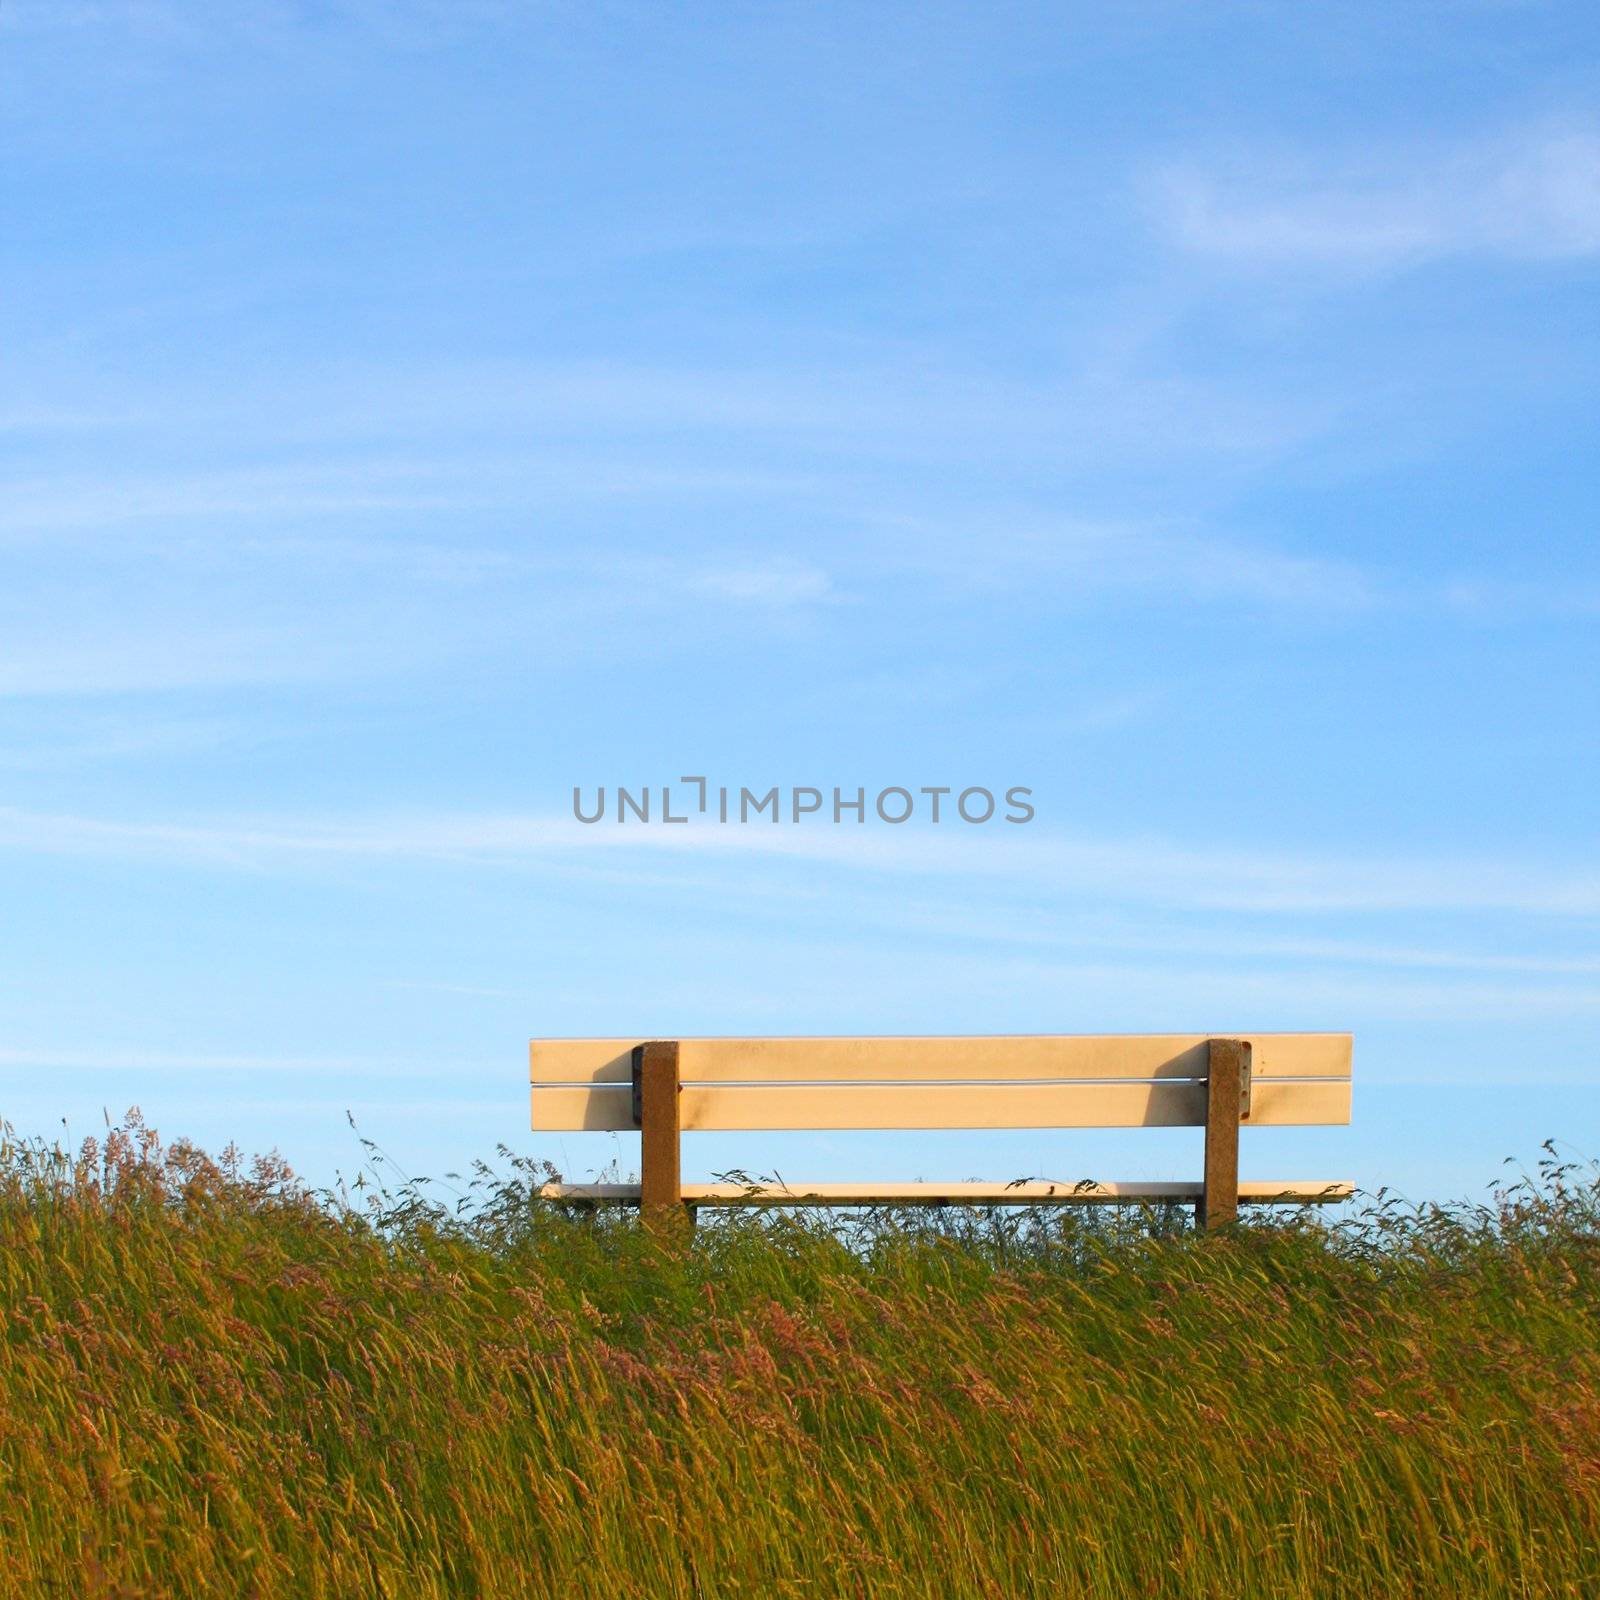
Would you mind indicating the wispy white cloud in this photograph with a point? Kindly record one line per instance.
(1499, 599)
(1199, 990)
(1529, 194)
(1011, 548)
(309, 485)
(177, 652)
(772, 583)
(256, 845)
(216, 608)
(1112, 711)
(1150, 870)
(260, 514)
(1042, 928)
(46, 508)
(219, 1064)
(411, 21)
(481, 430)
(102, 739)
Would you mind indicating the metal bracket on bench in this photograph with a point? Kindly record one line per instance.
(636, 1056)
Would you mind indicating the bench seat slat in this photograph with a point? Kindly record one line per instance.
(991, 1059)
(1037, 1192)
(942, 1105)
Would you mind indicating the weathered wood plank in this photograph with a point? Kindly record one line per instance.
(988, 1059)
(1036, 1192)
(704, 1107)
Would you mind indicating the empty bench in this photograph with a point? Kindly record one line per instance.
(667, 1087)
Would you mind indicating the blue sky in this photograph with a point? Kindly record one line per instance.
(410, 411)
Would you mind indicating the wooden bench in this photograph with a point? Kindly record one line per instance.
(665, 1088)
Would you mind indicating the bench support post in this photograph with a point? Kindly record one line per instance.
(655, 1098)
(1227, 1104)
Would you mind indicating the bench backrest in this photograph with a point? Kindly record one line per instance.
(1020, 1081)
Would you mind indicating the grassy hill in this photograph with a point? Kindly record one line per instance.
(213, 1382)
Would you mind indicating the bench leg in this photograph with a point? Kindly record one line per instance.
(1227, 1099)
(660, 1179)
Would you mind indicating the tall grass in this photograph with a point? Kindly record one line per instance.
(213, 1382)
